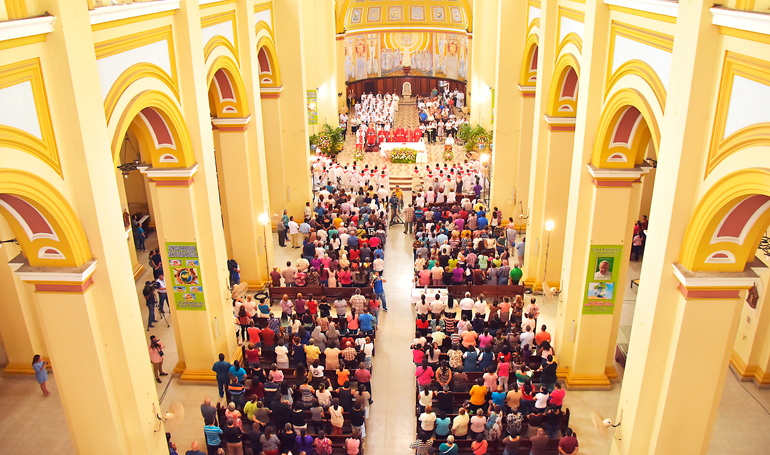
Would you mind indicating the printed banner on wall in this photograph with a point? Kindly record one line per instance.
(602, 279)
(183, 261)
(312, 107)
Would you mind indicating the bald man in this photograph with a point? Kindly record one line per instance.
(208, 411)
(194, 449)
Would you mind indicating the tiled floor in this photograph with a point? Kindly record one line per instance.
(31, 424)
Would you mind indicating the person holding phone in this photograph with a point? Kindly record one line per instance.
(41, 374)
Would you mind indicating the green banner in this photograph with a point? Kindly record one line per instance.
(312, 107)
(602, 279)
(186, 282)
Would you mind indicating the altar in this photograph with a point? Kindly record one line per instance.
(422, 155)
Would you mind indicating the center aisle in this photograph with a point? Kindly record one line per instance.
(390, 428)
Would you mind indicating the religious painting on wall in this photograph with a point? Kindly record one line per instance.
(417, 13)
(451, 56)
(355, 15)
(362, 56)
(373, 14)
(395, 13)
(386, 54)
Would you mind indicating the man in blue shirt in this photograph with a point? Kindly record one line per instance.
(379, 252)
(222, 369)
(482, 222)
(378, 290)
(520, 250)
(365, 322)
(352, 241)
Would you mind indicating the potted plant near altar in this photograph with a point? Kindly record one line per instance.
(329, 140)
(475, 138)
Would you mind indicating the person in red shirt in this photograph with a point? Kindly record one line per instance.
(409, 136)
(542, 335)
(254, 334)
(252, 354)
(364, 376)
(568, 444)
(557, 396)
(268, 339)
(312, 305)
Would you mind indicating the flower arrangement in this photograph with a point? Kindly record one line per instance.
(328, 140)
(448, 153)
(403, 155)
(358, 153)
(474, 137)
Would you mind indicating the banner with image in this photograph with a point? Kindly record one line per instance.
(602, 279)
(186, 283)
(312, 107)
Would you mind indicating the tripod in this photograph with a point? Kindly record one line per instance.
(395, 219)
(163, 314)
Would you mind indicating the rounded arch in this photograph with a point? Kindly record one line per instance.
(262, 25)
(529, 62)
(46, 227)
(226, 91)
(133, 74)
(626, 126)
(160, 128)
(642, 70)
(571, 38)
(269, 72)
(563, 97)
(728, 223)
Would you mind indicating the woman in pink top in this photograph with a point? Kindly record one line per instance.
(503, 373)
(425, 276)
(485, 339)
(505, 310)
(424, 375)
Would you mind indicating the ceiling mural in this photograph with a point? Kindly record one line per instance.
(361, 15)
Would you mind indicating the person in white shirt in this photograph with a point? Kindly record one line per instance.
(294, 233)
(466, 305)
(437, 308)
(480, 307)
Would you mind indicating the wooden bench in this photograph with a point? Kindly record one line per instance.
(276, 293)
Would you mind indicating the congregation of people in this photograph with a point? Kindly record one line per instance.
(485, 371)
(437, 116)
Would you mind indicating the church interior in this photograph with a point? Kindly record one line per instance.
(615, 150)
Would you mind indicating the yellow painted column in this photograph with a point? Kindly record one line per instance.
(202, 333)
(581, 190)
(320, 53)
(69, 304)
(274, 157)
(522, 212)
(681, 160)
(690, 386)
(19, 322)
(289, 32)
(584, 364)
(483, 74)
(534, 255)
(554, 185)
(750, 340)
(762, 372)
(130, 244)
(243, 208)
(507, 152)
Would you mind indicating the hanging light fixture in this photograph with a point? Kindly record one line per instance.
(764, 245)
(127, 167)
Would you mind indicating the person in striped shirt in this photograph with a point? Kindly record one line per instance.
(422, 444)
(213, 440)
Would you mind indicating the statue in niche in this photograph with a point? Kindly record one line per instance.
(406, 90)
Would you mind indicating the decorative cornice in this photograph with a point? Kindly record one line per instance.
(231, 124)
(131, 10)
(610, 177)
(741, 20)
(527, 91)
(170, 176)
(23, 28)
(713, 285)
(55, 279)
(663, 8)
(560, 123)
